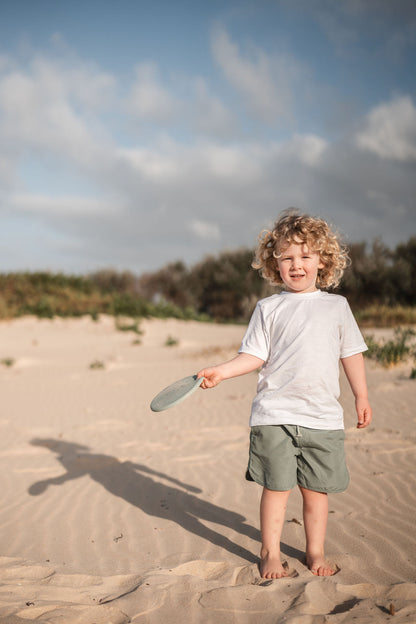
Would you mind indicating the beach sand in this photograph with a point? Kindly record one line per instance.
(111, 513)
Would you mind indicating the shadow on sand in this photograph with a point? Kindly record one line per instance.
(133, 483)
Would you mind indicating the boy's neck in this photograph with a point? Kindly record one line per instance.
(301, 292)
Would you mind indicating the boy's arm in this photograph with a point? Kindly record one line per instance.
(355, 372)
(240, 365)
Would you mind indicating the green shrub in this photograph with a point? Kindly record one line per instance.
(97, 365)
(133, 306)
(171, 342)
(7, 362)
(386, 316)
(390, 352)
(380, 285)
(125, 326)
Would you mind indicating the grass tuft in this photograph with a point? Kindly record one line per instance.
(7, 362)
(390, 352)
(97, 365)
(129, 326)
(171, 342)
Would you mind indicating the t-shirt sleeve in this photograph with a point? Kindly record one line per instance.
(256, 340)
(352, 341)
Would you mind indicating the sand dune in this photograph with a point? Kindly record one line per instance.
(111, 513)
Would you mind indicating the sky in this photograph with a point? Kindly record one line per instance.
(141, 132)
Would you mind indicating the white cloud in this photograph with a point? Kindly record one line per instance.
(264, 82)
(149, 99)
(81, 82)
(197, 185)
(151, 164)
(208, 162)
(182, 202)
(211, 116)
(205, 230)
(390, 131)
(48, 107)
(307, 149)
(79, 207)
(188, 104)
(233, 163)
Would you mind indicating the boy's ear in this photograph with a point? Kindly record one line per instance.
(321, 265)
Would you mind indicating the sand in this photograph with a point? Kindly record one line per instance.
(111, 513)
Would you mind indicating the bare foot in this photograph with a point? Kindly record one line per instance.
(272, 568)
(319, 566)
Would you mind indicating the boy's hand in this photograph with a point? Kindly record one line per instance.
(242, 364)
(211, 376)
(364, 412)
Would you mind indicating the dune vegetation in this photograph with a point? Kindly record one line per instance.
(380, 285)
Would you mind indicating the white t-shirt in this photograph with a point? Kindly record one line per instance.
(301, 338)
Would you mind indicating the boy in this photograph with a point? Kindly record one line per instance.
(297, 338)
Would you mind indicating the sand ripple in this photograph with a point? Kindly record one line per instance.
(111, 514)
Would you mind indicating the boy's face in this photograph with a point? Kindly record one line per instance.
(298, 267)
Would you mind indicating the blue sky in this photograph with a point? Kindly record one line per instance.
(133, 134)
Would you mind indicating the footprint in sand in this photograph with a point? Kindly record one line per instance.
(50, 597)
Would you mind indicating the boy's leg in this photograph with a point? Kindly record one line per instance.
(315, 516)
(272, 515)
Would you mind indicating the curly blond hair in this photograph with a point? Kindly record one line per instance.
(293, 227)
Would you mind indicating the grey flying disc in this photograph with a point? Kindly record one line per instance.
(175, 393)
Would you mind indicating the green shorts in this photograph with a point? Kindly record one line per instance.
(282, 456)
